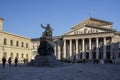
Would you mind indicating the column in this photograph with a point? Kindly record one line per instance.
(77, 48)
(90, 52)
(97, 48)
(55, 49)
(70, 48)
(111, 48)
(104, 50)
(59, 52)
(64, 55)
(83, 49)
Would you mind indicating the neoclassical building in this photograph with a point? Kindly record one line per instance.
(12, 45)
(89, 40)
(92, 39)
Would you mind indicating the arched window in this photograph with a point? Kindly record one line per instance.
(11, 42)
(5, 41)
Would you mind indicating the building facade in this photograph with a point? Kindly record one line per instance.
(92, 39)
(12, 45)
(89, 40)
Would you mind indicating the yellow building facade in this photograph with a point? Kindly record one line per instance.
(12, 45)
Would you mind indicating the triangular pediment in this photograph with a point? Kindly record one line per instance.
(88, 30)
(94, 22)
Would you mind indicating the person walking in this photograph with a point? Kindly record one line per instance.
(3, 61)
(16, 61)
(9, 61)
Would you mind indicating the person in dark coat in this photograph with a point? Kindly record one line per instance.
(9, 61)
(16, 61)
(3, 61)
(24, 60)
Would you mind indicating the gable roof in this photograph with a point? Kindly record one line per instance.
(93, 22)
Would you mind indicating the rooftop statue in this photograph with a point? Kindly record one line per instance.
(48, 32)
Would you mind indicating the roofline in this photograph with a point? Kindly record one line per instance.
(14, 35)
(108, 22)
(101, 20)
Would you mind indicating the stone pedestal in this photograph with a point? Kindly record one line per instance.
(45, 55)
(49, 60)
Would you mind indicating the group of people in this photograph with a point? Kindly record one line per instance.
(9, 61)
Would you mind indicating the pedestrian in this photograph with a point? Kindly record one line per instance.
(24, 60)
(9, 61)
(3, 61)
(16, 61)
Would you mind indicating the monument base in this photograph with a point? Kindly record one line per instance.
(49, 60)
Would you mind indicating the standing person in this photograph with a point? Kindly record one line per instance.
(3, 61)
(9, 61)
(16, 61)
(24, 61)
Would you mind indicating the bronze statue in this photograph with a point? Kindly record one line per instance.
(48, 32)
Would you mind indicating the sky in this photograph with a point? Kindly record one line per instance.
(24, 17)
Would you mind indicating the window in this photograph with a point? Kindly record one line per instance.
(5, 41)
(26, 56)
(26, 45)
(17, 55)
(11, 55)
(17, 43)
(11, 42)
(22, 44)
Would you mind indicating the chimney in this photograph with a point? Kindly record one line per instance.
(1, 21)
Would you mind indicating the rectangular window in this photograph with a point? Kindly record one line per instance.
(17, 43)
(5, 41)
(26, 45)
(17, 55)
(22, 44)
(11, 42)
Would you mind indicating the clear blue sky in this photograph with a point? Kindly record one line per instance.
(23, 17)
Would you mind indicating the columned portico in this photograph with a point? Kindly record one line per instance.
(90, 40)
(78, 46)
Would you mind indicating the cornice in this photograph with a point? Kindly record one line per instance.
(14, 35)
